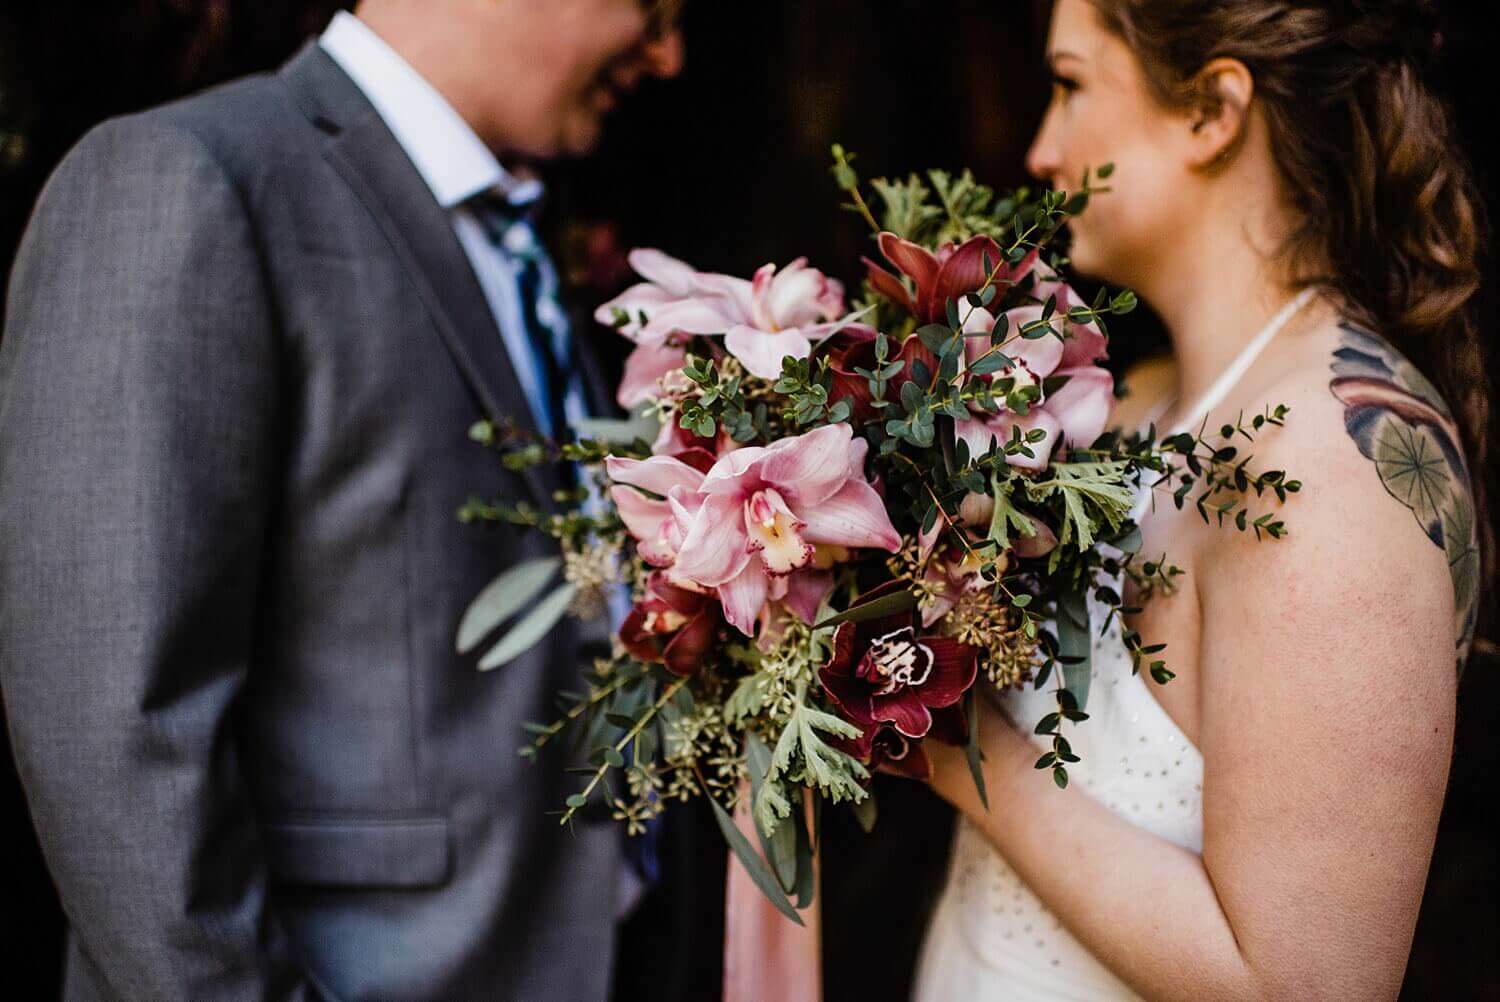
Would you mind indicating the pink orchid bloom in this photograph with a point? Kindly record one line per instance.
(790, 311)
(759, 514)
(674, 300)
(954, 270)
(1077, 412)
(780, 313)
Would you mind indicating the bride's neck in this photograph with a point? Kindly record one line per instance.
(1221, 287)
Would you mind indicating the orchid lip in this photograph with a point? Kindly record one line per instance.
(898, 660)
(773, 532)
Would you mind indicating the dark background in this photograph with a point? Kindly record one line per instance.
(726, 167)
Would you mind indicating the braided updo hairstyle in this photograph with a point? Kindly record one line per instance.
(1389, 219)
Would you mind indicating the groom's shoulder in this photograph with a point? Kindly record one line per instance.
(246, 128)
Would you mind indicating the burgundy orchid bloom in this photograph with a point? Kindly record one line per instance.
(885, 749)
(852, 348)
(882, 672)
(954, 270)
(672, 625)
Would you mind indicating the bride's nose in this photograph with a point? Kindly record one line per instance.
(1044, 159)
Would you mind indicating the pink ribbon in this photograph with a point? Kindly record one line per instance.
(766, 955)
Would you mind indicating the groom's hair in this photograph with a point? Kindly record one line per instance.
(1390, 218)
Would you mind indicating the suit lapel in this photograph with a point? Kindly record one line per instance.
(367, 156)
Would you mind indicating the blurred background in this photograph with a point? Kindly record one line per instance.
(726, 167)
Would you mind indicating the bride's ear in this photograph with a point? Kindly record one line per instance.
(1220, 111)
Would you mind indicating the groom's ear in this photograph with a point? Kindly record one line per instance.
(1219, 111)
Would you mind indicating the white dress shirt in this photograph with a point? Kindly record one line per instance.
(457, 165)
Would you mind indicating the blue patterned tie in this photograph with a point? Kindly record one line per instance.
(510, 228)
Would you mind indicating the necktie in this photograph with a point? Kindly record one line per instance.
(510, 228)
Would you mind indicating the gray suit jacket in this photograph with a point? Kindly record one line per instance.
(241, 356)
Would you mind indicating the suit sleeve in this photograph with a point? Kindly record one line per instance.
(138, 421)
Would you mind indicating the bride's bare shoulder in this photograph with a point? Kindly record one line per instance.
(1381, 463)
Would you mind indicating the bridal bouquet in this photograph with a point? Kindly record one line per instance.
(840, 523)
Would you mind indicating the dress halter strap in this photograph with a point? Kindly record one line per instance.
(1236, 370)
(1229, 378)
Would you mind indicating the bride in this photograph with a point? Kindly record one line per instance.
(1285, 195)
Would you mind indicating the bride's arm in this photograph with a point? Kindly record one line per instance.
(1327, 719)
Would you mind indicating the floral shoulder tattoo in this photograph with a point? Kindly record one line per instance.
(1399, 422)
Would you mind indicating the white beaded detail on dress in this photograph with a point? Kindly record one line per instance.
(991, 938)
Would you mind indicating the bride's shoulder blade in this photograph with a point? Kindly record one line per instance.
(1382, 466)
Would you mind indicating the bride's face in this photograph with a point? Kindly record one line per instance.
(1102, 111)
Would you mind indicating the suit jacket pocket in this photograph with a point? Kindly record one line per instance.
(366, 852)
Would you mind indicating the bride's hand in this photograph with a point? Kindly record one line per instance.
(1008, 759)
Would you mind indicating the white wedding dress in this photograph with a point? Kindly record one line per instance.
(991, 938)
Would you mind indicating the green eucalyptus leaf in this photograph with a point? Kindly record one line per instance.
(610, 430)
(502, 598)
(1074, 645)
(804, 884)
(991, 362)
(759, 872)
(531, 628)
(972, 752)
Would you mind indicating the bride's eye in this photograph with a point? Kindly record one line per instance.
(1063, 86)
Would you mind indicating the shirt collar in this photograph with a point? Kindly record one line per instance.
(452, 159)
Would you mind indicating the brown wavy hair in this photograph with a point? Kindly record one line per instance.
(1390, 220)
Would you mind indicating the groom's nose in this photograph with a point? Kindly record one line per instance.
(665, 54)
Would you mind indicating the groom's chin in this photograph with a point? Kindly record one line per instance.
(579, 134)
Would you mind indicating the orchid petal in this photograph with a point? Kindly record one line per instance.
(659, 474)
(810, 468)
(676, 277)
(1085, 345)
(961, 273)
(642, 516)
(716, 548)
(915, 262)
(905, 711)
(641, 298)
(954, 668)
(743, 597)
(1040, 355)
(800, 296)
(1083, 405)
(761, 351)
(978, 435)
(888, 285)
(642, 643)
(1037, 419)
(644, 368)
(761, 316)
(1041, 542)
(976, 510)
(736, 472)
(687, 316)
(684, 653)
(805, 592)
(855, 516)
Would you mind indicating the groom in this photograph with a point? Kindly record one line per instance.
(247, 334)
